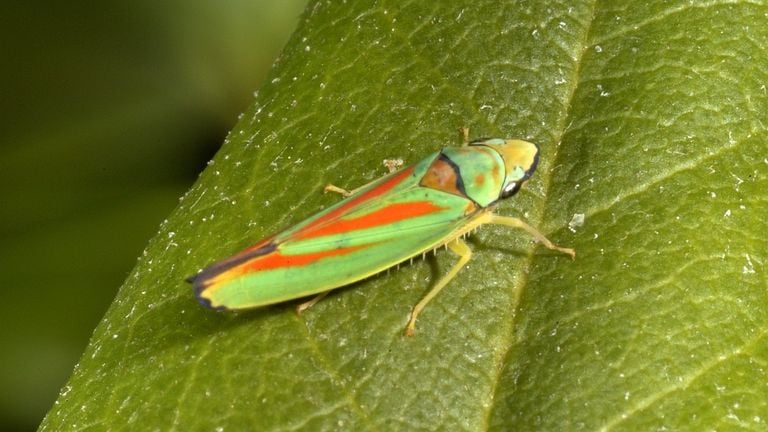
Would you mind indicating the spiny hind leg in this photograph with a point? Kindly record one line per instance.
(308, 304)
(517, 223)
(460, 248)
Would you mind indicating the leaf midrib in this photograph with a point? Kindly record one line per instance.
(521, 283)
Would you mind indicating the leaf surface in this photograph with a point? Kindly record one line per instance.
(652, 126)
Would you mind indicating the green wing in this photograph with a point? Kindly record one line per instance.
(384, 224)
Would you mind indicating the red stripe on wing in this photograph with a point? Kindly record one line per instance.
(366, 196)
(276, 260)
(389, 214)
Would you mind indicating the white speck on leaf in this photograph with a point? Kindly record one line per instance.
(749, 268)
(576, 221)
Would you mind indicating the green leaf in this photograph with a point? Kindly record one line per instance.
(652, 126)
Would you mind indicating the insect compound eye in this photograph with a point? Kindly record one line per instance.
(510, 189)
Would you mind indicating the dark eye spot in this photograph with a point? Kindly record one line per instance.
(510, 190)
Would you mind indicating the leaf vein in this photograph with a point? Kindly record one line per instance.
(682, 383)
(505, 354)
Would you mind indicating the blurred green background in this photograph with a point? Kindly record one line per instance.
(109, 111)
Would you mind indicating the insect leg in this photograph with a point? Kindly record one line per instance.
(517, 223)
(308, 304)
(332, 188)
(465, 253)
(344, 192)
(391, 164)
(464, 135)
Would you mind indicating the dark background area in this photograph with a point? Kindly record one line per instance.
(109, 112)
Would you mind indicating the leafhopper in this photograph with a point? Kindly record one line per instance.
(410, 212)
